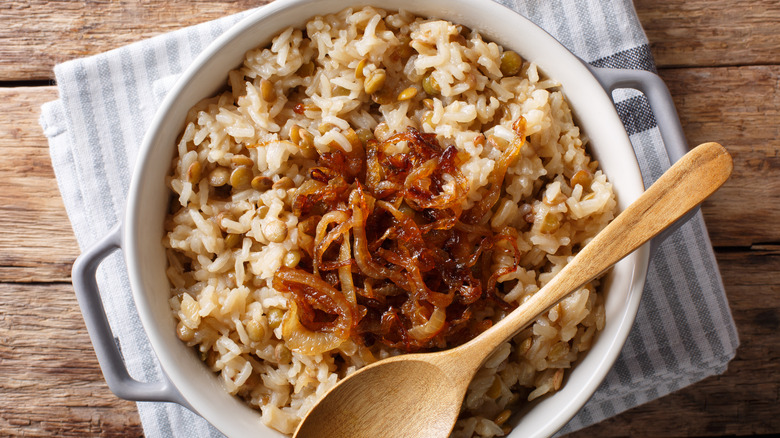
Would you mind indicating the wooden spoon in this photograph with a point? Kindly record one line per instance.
(419, 395)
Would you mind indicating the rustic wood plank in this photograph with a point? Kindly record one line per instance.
(711, 33)
(50, 382)
(38, 34)
(743, 400)
(738, 107)
(40, 245)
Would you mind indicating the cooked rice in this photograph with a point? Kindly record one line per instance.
(226, 239)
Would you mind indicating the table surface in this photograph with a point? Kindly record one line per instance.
(720, 59)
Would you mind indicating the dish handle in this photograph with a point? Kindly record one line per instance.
(109, 356)
(662, 106)
(661, 103)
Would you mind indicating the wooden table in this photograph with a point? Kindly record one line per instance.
(720, 58)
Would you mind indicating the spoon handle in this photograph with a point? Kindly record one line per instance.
(684, 186)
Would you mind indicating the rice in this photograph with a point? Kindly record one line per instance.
(244, 152)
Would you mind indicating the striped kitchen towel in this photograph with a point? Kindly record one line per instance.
(683, 333)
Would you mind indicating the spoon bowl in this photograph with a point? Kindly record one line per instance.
(416, 378)
(419, 395)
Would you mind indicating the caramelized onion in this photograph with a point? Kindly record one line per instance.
(301, 339)
(362, 257)
(394, 258)
(431, 327)
(324, 238)
(310, 291)
(345, 271)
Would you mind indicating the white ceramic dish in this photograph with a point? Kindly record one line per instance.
(190, 382)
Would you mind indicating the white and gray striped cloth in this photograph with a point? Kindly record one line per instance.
(683, 333)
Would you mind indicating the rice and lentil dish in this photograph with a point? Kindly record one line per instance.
(373, 184)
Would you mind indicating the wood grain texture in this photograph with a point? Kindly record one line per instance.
(738, 107)
(40, 245)
(711, 33)
(720, 59)
(50, 382)
(38, 34)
